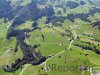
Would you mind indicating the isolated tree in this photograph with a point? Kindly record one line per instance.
(35, 24)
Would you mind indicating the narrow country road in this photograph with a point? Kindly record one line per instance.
(82, 72)
(54, 55)
(24, 69)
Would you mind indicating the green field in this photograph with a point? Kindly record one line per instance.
(60, 43)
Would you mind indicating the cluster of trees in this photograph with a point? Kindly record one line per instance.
(40, 1)
(94, 36)
(20, 62)
(97, 2)
(96, 24)
(72, 4)
(64, 34)
(68, 33)
(24, 13)
(33, 13)
(84, 47)
(35, 24)
(82, 3)
(18, 33)
(71, 17)
(55, 20)
(83, 16)
(6, 10)
(88, 46)
(15, 66)
(94, 10)
(30, 55)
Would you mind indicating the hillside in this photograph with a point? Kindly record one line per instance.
(49, 37)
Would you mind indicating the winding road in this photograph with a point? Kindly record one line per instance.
(54, 55)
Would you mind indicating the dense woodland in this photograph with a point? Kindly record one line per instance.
(6, 11)
(88, 46)
(31, 12)
(30, 55)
